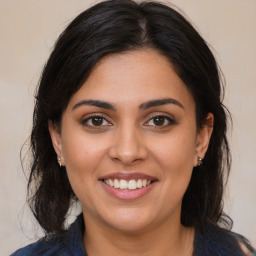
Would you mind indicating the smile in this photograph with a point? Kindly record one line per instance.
(127, 184)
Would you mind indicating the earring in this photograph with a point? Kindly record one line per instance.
(59, 161)
(200, 161)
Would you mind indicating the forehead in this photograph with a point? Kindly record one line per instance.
(133, 77)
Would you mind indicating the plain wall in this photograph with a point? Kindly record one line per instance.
(28, 31)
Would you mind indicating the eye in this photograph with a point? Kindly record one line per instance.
(160, 121)
(95, 121)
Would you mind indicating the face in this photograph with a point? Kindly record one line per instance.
(129, 142)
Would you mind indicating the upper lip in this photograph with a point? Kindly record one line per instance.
(127, 176)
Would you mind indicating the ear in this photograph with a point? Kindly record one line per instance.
(203, 138)
(54, 131)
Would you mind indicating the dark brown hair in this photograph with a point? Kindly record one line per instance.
(114, 27)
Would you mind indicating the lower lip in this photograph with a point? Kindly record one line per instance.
(127, 194)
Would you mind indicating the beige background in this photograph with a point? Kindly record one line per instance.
(28, 29)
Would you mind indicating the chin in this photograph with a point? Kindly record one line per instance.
(130, 222)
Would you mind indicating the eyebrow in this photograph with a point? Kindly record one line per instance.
(96, 103)
(160, 102)
(143, 106)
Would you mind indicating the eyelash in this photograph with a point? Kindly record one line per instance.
(90, 119)
(167, 121)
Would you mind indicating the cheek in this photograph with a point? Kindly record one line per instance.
(83, 155)
(175, 156)
(81, 150)
(83, 158)
(175, 151)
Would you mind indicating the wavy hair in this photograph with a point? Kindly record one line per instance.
(118, 26)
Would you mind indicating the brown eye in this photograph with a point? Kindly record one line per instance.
(95, 121)
(159, 120)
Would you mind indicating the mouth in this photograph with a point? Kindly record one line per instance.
(128, 186)
(131, 184)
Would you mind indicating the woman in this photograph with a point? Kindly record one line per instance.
(130, 105)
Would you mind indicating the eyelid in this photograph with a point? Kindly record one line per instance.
(171, 120)
(91, 115)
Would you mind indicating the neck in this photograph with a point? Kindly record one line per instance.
(162, 240)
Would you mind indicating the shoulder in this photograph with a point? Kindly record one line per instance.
(43, 247)
(215, 241)
(69, 242)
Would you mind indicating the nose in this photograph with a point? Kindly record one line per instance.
(127, 147)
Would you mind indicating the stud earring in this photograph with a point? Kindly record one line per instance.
(200, 161)
(59, 161)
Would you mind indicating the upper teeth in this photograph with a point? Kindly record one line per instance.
(124, 184)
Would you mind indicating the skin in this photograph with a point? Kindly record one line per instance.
(130, 139)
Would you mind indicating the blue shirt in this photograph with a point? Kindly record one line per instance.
(67, 243)
(212, 241)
